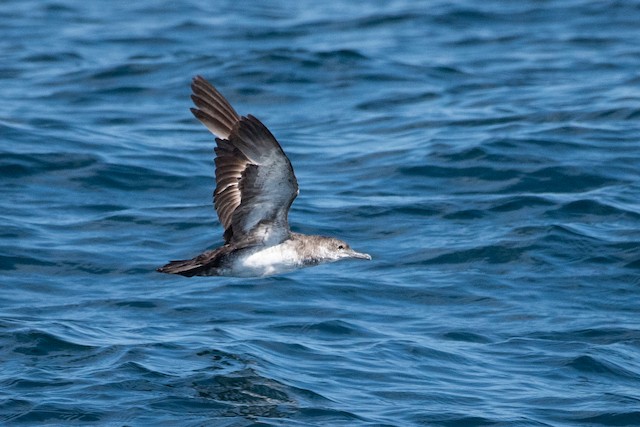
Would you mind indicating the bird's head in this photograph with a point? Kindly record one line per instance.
(330, 249)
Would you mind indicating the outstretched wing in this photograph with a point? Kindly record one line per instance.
(214, 111)
(255, 183)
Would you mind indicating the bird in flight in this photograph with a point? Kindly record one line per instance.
(255, 187)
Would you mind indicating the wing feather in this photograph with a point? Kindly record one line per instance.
(255, 182)
(214, 111)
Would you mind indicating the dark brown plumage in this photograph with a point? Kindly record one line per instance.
(251, 168)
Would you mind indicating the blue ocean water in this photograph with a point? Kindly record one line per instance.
(485, 153)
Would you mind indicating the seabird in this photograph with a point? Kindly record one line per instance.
(255, 187)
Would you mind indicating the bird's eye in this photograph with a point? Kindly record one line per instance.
(340, 246)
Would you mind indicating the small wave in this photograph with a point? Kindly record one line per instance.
(13, 165)
(491, 254)
(592, 208)
(40, 343)
(595, 365)
(556, 179)
(626, 418)
(519, 202)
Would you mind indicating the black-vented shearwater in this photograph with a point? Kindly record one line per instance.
(255, 187)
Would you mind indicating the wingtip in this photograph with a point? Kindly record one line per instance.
(197, 101)
(196, 81)
(196, 113)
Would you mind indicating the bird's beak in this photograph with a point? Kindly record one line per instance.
(354, 254)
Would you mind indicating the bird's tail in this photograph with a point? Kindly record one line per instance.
(187, 267)
(205, 264)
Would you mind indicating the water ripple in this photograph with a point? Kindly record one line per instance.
(484, 153)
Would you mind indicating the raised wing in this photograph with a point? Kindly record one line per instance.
(255, 183)
(214, 111)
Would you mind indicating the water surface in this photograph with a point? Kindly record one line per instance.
(485, 153)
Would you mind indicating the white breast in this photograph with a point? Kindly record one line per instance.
(267, 261)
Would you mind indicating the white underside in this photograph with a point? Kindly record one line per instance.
(266, 261)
